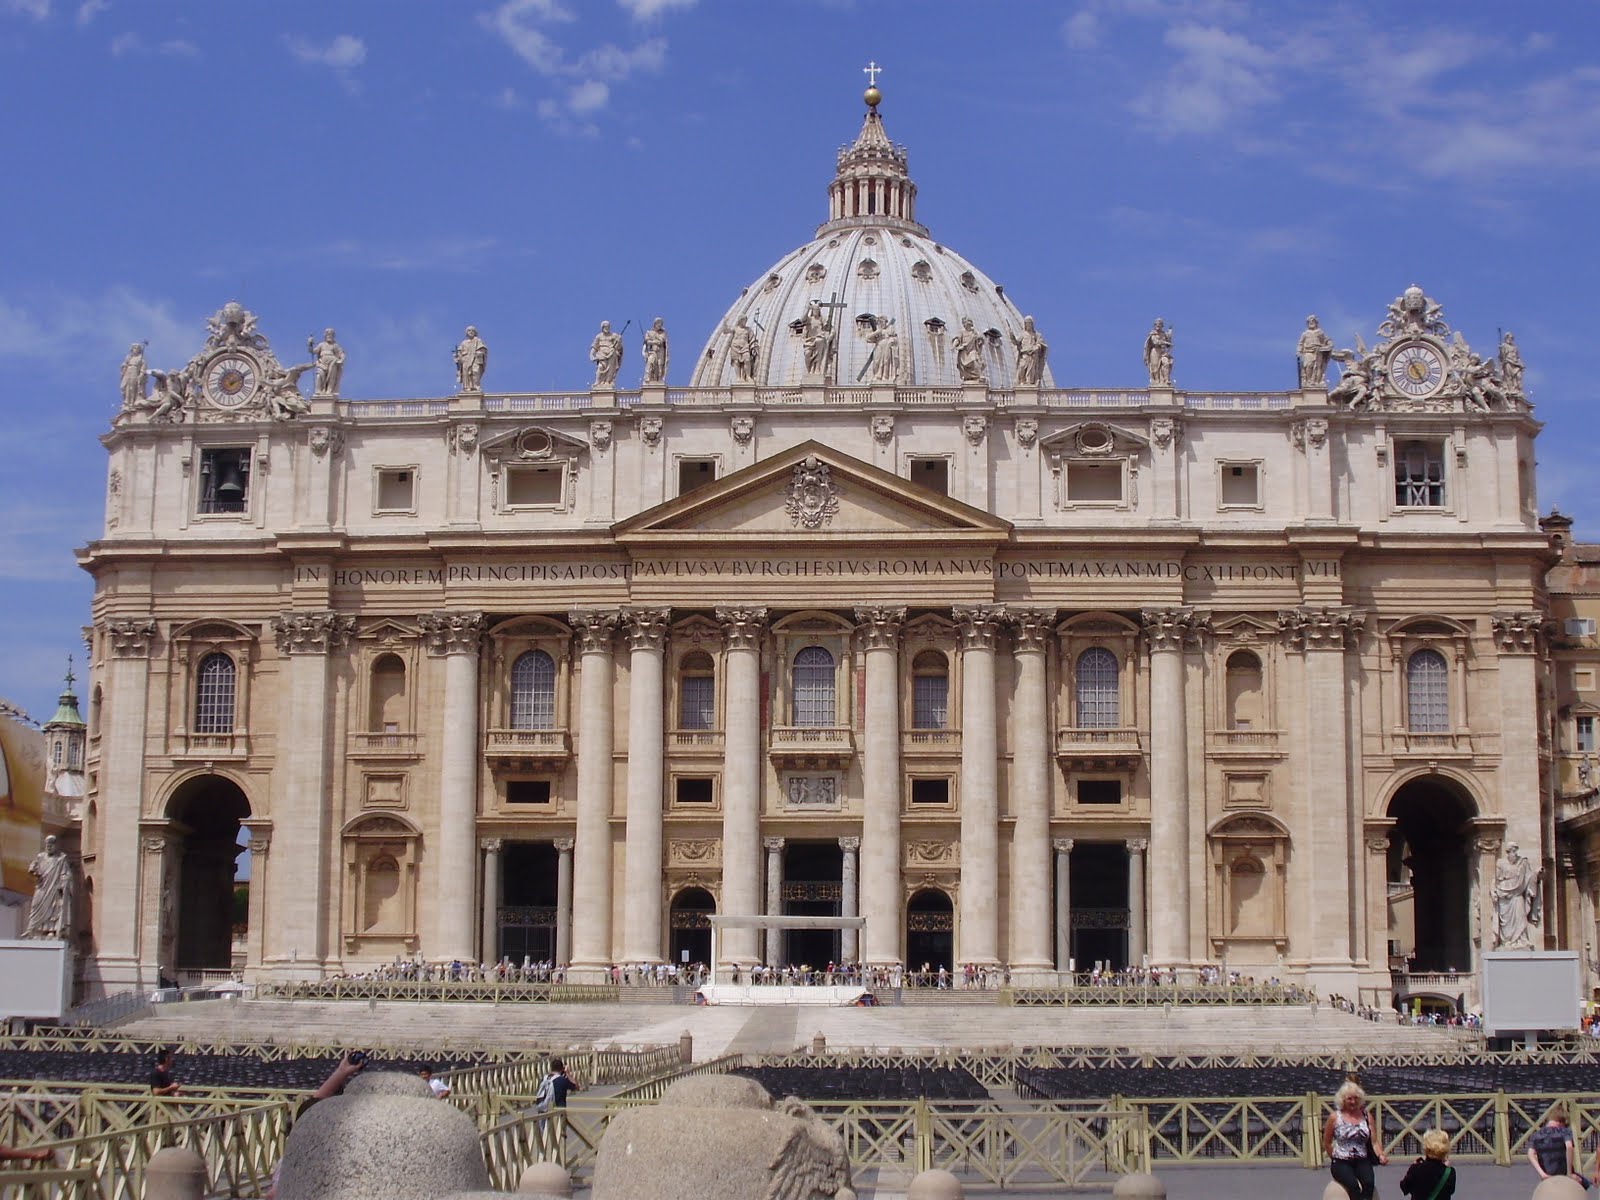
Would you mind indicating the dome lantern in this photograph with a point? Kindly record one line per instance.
(870, 184)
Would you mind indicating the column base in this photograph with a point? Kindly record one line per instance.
(588, 972)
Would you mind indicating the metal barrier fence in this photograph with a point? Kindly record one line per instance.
(426, 1044)
(442, 990)
(123, 1006)
(1145, 994)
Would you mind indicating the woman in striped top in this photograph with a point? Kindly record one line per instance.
(1350, 1140)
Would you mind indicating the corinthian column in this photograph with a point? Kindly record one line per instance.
(1167, 632)
(774, 848)
(741, 780)
(563, 847)
(879, 631)
(1137, 921)
(1063, 849)
(591, 917)
(647, 639)
(457, 637)
(117, 907)
(491, 847)
(1030, 797)
(849, 942)
(978, 937)
(301, 815)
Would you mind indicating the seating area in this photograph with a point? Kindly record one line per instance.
(194, 1070)
(849, 1082)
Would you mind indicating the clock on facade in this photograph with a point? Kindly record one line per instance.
(1416, 368)
(231, 380)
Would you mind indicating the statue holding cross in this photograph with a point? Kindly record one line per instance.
(817, 336)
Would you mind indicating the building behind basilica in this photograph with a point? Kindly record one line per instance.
(875, 617)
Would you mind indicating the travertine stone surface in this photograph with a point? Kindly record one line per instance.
(382, 1147)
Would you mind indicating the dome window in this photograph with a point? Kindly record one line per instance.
(921, 271)
(868, 269)
(934, 326)
(773, 281)
(816, 273)
(969, 281)
(870, 240)
(906, 242)
(992, 334)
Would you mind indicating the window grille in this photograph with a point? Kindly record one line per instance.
(1099, 690)
(813, 687)
(213, 700)
(1427, 693)
(697, 702)
(533, 691)
(930, 701)
(1419, 476)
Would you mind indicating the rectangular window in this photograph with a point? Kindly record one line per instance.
(931, 473)
(1583, 679)
(699, 702)
(1419, 475)
(695, 473)
(930, 701)
(1094, 483)
(224, 480)
(693, 790)
(930, 791)
(396, 490)
(1580, 627)
(527, 791)
(1099, 791)
(1583, 728)
(535, 487)
(1241, 485)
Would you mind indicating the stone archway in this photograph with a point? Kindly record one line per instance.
(1430, 850)
(930, 931)
(206, 882)
(691, 929)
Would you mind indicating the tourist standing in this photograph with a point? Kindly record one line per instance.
(1351, 1142)
(1431, 1177)
(161, 1081)
(1551, 1148)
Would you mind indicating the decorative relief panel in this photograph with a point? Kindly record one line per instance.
(698, 852)
(920, 854)
(810, 793)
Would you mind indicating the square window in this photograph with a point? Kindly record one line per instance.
(695, 473)
(1583, 729)
(930, 791)
(1580, 627)
(1583, 679)
(527, 791)
(1099, 791)
(225, 480)
(1094, 483)
(1419, 475)
(931, 473)
(535, 487)
(396, 490)
(693, 790)
(1241, 485)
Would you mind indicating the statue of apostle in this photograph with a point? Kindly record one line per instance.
(1516, 900)
(606, 354)
(472, 356)
(968, 346)
(328, 356)
(655, 352)
(132, 377)
(50, 914)
(1031, 349)
(1158, 354)
(744, 350)
(1313, 351)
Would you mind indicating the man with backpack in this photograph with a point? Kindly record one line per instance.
(554, 1088)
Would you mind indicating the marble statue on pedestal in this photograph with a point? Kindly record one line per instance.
(883, 362)
(1516, 900)
(50, 914)
(471, 356)
(1031, 349)
(1313, 351)
(606, 354)
(968, 346)
(1510, 365)
(743, 351)
(132, 377)
(171, 394)
(329, 358)
(1158, 354)
(655, 352)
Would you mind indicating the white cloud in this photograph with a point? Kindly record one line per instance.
(1082, 29)
(1218, 76)
(37, 9)
(510, 100)
(131, 43)
(589, 96)
(343, 53)
(614, 63)
(94, 329)
(646, 10)
(89, 10)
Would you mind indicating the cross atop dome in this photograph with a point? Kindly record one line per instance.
(872, 95)
(871, 184)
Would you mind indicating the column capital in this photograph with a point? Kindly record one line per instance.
(879, 627)
(772, 844)
(1062, 845)
(1325, 628)
(1486, 845)
(320, 632)
(1030, 628)
(153, 843)
(1377, 845)
(492, 845)
(1138, 845)
(850, 845)
(741, 627)
(1173, 628)
(563, 845)
(646, 628)
(131, 636)
(594, 628)
(449, 631)
(1520, 632)
(979, 625)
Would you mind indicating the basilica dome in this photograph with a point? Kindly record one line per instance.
(820, 315)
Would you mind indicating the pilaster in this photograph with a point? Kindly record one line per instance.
(849, 939)
(490, 945)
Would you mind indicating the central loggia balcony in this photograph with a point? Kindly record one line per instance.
(386, 744)
(526, 747)
(1099, 748)
(810, 745)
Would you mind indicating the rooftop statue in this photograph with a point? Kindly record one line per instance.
(132, 377)
(1510, 365)
(1158, 354)
(816, 336)
(744, 351)
(606, 354)
(1313, 351)
(883, 360)
(1031, 349)
(471, 356)
(655, 352)
(329, 358)
(171, 395)
(1358, 381)
(968, 346)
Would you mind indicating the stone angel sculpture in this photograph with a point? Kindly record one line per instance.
(171, 395)
(282, 391)
(1358, 380)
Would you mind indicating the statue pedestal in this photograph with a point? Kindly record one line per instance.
(35, 978)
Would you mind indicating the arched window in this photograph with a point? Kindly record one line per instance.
(74, 753)
(56, 752)
(697, 692)
(1427, 693)
(1099, 689)
(388, 699)
(213, 697)
(1244, 690)
(930, 691)
(533, 691)
(813, 687)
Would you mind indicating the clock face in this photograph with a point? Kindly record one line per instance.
(231, 380)
(1417, 369)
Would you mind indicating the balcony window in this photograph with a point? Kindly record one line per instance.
(697, 693)
(213, 698)
(1427, 693)
(1099, 699)
(533, 691)
(813, 688)
(930, 691)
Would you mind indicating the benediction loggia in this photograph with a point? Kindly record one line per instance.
(873, 617)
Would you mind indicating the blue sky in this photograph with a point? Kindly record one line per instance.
(399, 169)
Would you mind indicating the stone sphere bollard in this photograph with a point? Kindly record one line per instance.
(175, 1173)
(819, 1044)
(546, 1179)
(1335, 1191)
(686, 1048)
(935, 1185)
(1559, 1187)
(1148, 1187)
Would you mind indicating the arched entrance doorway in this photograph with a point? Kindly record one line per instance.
(526, 913)
(691, 930)
(1430, 853)
(930, 931)
(812, 887)
(205, 895)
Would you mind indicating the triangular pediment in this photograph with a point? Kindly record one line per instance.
(813, 492)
